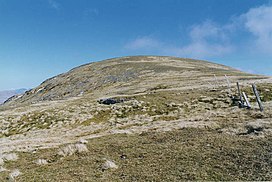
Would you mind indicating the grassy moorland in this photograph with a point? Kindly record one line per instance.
(177, 122)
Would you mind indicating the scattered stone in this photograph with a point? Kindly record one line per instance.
(81, 93)
(136, 104)
(254, 128)
(123, 156)
(41, 162)
(213, 90)
(172, 104)
(110, 101)
(34, 151)
(15, 173)
(9, 157)
(73, 149)
(2, 169)
(109, 165)
(83, 141)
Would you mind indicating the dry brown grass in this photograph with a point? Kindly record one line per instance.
(162, 94)
(188, 154)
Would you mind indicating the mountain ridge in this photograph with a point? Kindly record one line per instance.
(93, 76)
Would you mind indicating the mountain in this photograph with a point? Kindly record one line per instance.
(4, 95)
(126, 75)
(139, 118)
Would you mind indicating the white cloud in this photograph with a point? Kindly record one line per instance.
(206, 40)
(258, 21)
(54, 4)
(249, 33)
(206, 30)
(203, 50)
(144, 42)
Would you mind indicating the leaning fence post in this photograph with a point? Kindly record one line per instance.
(228, 83)
(246, 100)
(210, 84)
(216, 81)
(257, 97)
(239, 92)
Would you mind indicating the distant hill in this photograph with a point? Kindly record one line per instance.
(124, 75)
(4, 95)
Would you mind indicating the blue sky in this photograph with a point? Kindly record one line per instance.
(42, 38)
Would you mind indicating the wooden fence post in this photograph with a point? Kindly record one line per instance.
(228, 83)
(239, 92)
(246, 100)
(257, 97)
(216, 81)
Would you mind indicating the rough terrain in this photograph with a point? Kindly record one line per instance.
(176, 122)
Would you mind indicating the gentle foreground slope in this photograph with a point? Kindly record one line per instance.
(174, 120)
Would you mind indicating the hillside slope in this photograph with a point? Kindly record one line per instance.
(126, 75)
(175, 121)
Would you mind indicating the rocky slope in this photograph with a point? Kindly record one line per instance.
(171, 112)
(126, 75)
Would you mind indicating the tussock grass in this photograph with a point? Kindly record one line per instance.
(41, 162)
(109, 165)
(187, 154)
(72, 149)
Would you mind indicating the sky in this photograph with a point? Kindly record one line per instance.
(42, 38)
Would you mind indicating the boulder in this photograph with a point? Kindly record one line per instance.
(110, 101)
(108, 164)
